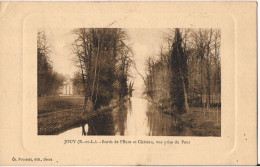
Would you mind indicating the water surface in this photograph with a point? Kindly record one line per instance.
(137, 117)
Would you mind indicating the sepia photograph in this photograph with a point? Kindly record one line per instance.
(129, 82)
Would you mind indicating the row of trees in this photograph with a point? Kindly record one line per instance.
(103, 59)
(187, 70)
(49, 81)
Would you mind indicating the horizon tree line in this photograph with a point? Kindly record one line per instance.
(48, 80)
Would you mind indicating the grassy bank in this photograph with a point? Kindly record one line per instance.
(199, 122)
(58, 118)
(55, 103)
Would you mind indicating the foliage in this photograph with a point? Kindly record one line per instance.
(189, 62)
(48, 80)
(103, 59)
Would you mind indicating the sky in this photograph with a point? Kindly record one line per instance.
(61, 56)
(145, 43)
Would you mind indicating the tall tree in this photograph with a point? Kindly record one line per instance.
(193, 63)
(179, 78)
(103, 59)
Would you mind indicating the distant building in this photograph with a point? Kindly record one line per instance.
(67, 88)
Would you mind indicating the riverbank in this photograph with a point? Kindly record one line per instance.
(57, 121)
(199, 122)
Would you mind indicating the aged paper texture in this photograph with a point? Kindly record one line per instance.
(128, 83)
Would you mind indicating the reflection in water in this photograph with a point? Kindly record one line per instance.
(163, 124)
(136, 122)
(83, 131)
(111, 123)
(137, 117)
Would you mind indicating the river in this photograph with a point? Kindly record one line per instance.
(137, 117)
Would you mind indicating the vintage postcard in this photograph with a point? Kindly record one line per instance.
(128, 83)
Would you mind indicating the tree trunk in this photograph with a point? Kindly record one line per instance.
(84, 86)
(201, 80)
(185, 97)
(97, 85)
(94, 80)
